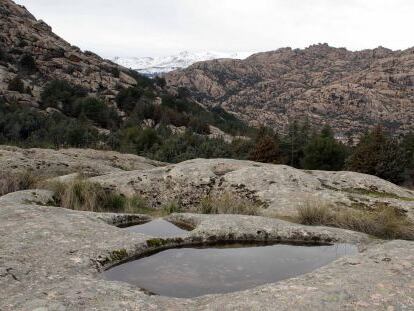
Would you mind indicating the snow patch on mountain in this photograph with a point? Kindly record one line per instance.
(152, 66)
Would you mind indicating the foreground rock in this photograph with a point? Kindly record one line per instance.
(280, 189)
(51, 257)
(66, 161)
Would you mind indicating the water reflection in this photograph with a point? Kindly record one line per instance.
(158, 228)
(190, 272)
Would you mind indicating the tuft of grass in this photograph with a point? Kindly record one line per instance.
(314, 214)
(227, 204)
(83, 195)
(171, 207)
(12, 182)
(385, 222)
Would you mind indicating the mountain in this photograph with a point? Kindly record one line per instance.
(54, 94)
(352, 91)
(30, 51)
(152, 66)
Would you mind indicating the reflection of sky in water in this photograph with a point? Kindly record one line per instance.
(158, 227)
(190, 272)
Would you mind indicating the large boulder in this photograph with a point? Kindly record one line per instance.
(279, 188)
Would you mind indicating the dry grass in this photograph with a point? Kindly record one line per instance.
(12, 182)
(84, 195)
(227, 204)
(385, 222)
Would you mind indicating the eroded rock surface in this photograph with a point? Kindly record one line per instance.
(50, 259)
(352, 91)
(279, 188)
(67, 161)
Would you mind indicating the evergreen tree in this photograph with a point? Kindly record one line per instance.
(266, 148)
(324, 152)
(377, 154)
(293, 143)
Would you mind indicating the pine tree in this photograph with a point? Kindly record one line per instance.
(324, 152)
(378, 154)
(266, 148)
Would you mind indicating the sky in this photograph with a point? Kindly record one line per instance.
(129, 28)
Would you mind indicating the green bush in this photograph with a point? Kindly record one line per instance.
(28, 64)
(62, 95)
(16, 85)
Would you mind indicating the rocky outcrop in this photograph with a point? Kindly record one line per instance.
(352, 91)
(279, 189)
(88, 162)
(51, 259)
(22, 35)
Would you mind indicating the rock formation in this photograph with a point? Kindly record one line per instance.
(89, 162)
(279, 188)
(51, 257)
(29, 49)
(352, 91)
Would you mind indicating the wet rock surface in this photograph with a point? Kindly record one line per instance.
(51, 258)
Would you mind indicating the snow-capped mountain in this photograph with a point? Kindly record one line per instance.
(152, 66)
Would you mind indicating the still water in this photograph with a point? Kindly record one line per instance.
(196, 271)
(158, 227)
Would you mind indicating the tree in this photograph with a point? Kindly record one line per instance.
(378, 154)
(294, 142)
(324, 152)
(266, 148)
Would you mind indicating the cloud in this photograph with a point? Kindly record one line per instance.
(156, 27)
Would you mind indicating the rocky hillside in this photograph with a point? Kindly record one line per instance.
(349, 90)
(29, 49)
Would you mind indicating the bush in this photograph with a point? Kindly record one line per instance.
(384, 222)
(63, 96)
(128, 98)
(16, 85)
(96, 110)
(27, 64)
(227, 204)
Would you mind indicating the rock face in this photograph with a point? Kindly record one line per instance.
(21, 35)
(279, 188)
(67, 161)
(51, 259)
(351, 91)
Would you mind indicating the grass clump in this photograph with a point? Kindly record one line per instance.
(227, 204)
(385, 222)
(83, 195)
(12, 182)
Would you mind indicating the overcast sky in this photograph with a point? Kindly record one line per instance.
(162, 27)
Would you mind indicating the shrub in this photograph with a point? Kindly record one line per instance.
(96, 110)
(16, 84)
(227, 204)
(62, 95)
(128, 98)
(27, 64)
(384, 222)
